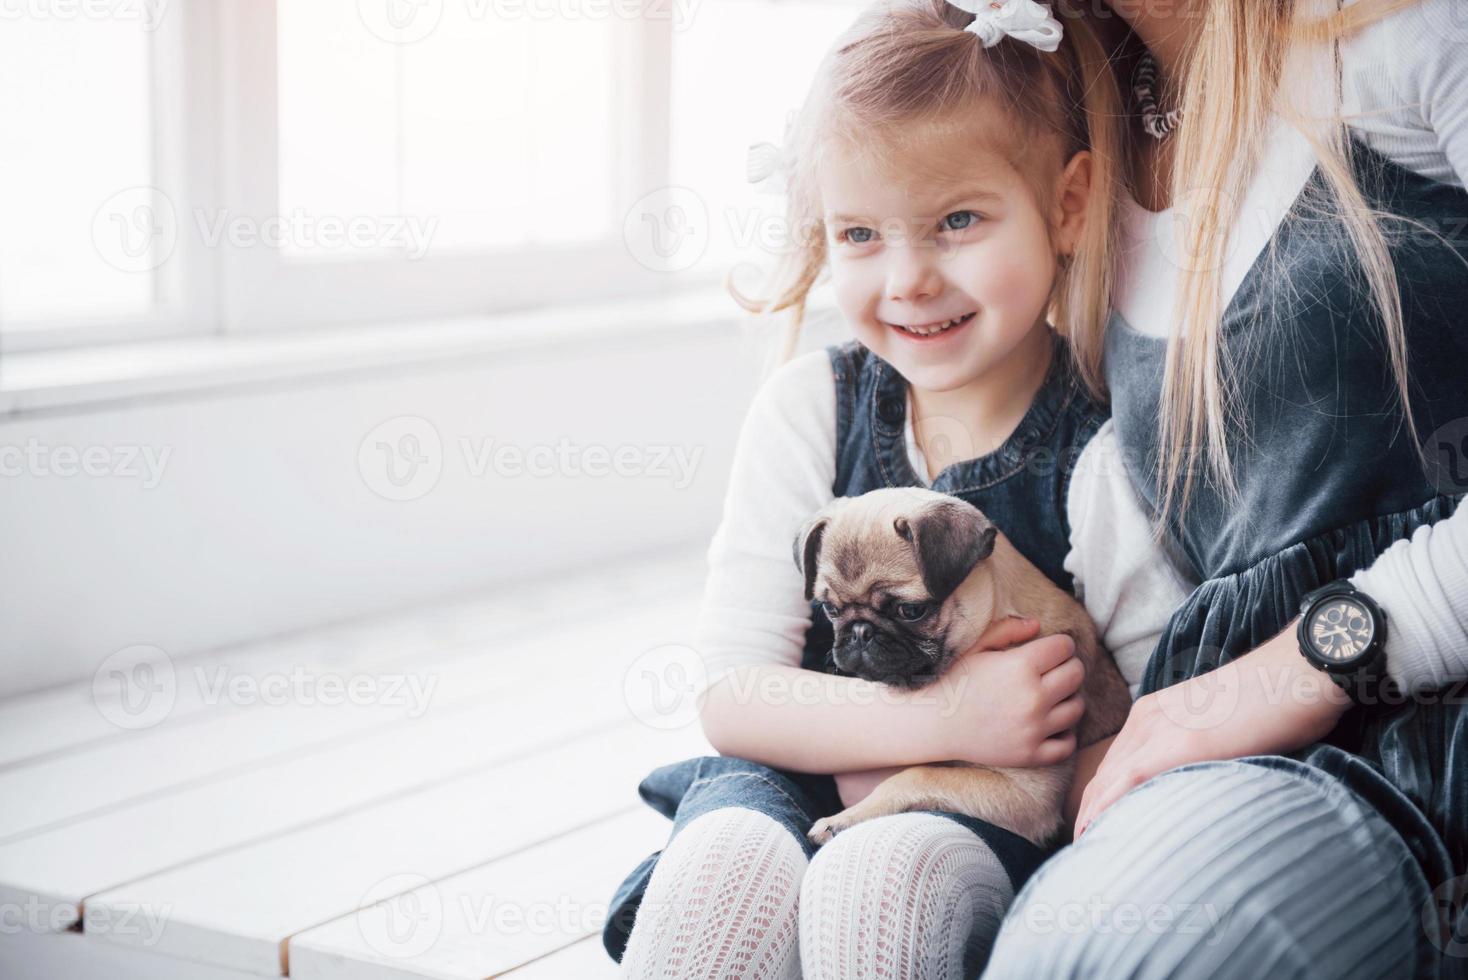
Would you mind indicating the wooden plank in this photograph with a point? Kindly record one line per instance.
(69, 863)
(488, 920)
(584, 960)
(78, 716)
(56, 790)
(44, 955)
(239, 908)
(63, 789)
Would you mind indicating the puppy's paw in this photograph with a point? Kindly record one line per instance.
(826, 828)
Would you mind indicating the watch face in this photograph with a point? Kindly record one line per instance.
(1340, 630)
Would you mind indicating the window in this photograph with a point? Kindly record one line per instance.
(176, 167)
(492, 133)
(737, 78)
(88, 230)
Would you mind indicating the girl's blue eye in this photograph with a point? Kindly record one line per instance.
(857, 236)
(959, 220)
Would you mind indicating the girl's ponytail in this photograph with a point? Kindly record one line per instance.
(1083, 292)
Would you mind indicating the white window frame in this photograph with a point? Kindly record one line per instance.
(216, 151)
(181, 83)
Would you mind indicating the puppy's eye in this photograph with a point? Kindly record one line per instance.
(913, 611)
(829, 608)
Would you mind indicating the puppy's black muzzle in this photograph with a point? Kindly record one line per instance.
(862, 650)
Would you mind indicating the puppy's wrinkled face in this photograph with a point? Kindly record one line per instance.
(885, 568)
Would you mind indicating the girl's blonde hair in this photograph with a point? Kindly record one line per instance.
(906, 62)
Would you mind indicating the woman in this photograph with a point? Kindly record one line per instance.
(1308, 279)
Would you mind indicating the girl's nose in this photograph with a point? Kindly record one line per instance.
(912, 273)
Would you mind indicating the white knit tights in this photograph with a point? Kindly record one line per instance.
(733, 896)
(912, 895)
(721, 902)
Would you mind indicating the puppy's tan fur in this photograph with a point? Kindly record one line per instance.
(902, 545)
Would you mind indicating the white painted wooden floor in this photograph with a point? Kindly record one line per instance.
(465, 811)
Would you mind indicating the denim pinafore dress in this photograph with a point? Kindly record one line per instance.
(1328, 476)
(1021, 486)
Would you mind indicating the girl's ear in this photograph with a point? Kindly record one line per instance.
(1072, 195)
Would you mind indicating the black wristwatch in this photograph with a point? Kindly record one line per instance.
(1342, 631)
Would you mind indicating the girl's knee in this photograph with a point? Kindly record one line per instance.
(725, 848)
(926, 896)
(721, 901)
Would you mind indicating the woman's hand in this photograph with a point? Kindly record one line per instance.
(1268, 701)
(1010, 707)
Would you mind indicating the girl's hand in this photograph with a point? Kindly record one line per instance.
(1011, 707)
(1268, 701)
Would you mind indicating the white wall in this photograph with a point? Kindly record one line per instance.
(264, 521)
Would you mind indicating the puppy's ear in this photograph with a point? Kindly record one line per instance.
(807, 550)
(949, 538)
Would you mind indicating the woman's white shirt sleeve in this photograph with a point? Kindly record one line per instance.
(753, 609)
(1421, 583)
(1405, 89)
(1407, 76)
(1130, 585)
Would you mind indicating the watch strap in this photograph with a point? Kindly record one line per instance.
(1369, 687)
(1339, 586)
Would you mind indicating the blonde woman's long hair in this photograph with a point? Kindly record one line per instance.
(906, 62)
(1230, 89)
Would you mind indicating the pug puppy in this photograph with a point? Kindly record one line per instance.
(910, 579)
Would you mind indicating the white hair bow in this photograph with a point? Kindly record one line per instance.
(769, 165)
(1023, 20)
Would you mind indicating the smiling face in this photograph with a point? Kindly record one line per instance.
(943, 270)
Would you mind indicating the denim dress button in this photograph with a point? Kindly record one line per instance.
(889, 410)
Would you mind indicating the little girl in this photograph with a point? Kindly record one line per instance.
(958, 172)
